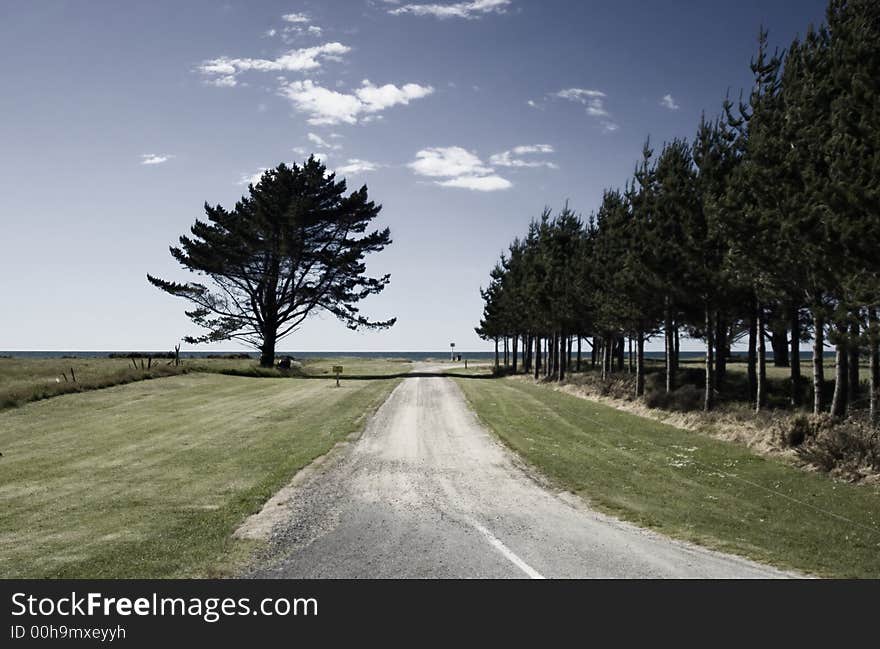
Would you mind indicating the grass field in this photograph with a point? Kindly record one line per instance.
(31, 379)
(149, 479)
(23, 380)
(686, 485)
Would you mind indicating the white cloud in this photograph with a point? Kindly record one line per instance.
(228, 81)
(448, 161)
(317, 140)
(472, 9)
(356, 166)
(594, 100)
(271, 32)
(510, 159)
(478, 183)
(326, 106)
(459, 167)
(306, 58)
(668, 101)
(155, 159)
(582, 95)
(295, 18)
(314, 30)
(533, 148)
(252, 179)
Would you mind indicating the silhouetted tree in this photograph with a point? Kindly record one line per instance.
(291, 247)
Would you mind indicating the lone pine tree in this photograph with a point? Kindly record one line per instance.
(293, 246)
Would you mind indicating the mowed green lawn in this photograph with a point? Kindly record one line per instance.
(150, 479)
(686, 485)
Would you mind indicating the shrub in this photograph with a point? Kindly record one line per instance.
(687, 398)
(796, 431)
(847, 449)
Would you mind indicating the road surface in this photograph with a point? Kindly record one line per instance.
(427, 492)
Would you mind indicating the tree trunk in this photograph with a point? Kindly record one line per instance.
(496, 353)
(537, 357)
(709, 396)
(548, 356)
(267, 351)
(795, 356)
(620, 354)
(594, 350)
(676, 357)
(854, 390)
(723, 352)
(874, 360)
(630, 355)
(568, 361)
(556, 357)
(607, 355)
(753, 354)
(506, 352)
(761, 392)
(779, 343)
(563, 343)
(640, 364)
(670, 349)
(579, 355)
(818, 361)
(841, 377)
(515, 351)
(527, 350)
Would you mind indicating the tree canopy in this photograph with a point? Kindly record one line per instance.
(293, 246)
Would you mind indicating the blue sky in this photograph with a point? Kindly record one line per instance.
(118, 120)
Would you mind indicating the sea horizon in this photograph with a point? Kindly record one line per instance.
(405, 354)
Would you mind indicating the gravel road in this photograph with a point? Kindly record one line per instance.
(427, 492)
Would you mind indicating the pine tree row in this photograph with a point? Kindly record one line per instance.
(763, 228)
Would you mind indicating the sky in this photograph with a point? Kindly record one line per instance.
(464, 119)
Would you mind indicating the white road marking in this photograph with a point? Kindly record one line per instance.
(507, 552)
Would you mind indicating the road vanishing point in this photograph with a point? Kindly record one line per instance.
(427, 492)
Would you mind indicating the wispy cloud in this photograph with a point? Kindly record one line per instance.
(317, 140)
(668, 101)
(325, 106)
(469, 10)
(252, 178)
(154, 158)
(513, 158)
(357, 166)
(222, 71)
(458, 167)
(594, 100)
(295, 18)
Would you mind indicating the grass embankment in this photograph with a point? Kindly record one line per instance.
(23, 380)
(684, 484)
(150, 479)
